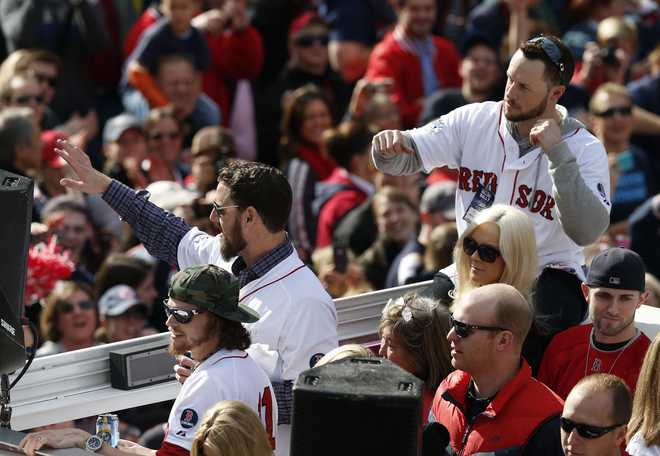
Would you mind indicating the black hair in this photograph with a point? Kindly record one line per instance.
(558, 72)
(346, 141)
(261, 186)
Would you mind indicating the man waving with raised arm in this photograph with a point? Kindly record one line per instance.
(298, 322)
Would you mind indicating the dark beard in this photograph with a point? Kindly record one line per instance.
(228, 249)
(531, 114)
(187, 343)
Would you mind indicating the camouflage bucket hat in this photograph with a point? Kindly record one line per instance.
(213, 289)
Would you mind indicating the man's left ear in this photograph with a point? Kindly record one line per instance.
(557, 92)
(504, 339)
(250, 214)
(643, 297)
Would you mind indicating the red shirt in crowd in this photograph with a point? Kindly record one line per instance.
(572, 356)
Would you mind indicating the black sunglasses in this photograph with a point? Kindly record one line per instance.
(308, 40)
(27, 99)
(181, 315)
(622, 110)
(464, 330)
(552, 51)
(41, 78)
(170, 136)
(486, 252)
(66, 307)
(586, 431)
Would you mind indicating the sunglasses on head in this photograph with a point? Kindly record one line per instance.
(41, 78)
(67, 307)
(622, 110)
(308, 40)
(486, 252)
(181, 315)
(586, 431)
(552, 51)
(158, 136)
(464, 330)
(27, 99)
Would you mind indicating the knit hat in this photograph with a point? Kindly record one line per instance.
(617, 268)
(213, 289)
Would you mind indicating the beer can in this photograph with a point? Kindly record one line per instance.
(107, 427)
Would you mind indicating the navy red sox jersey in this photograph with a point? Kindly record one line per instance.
(474, 140)
(572, 356)
(226, 375)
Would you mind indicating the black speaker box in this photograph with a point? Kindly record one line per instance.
(16, 195)
(356, 406)
(136, 367)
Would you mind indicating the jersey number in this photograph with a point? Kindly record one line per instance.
(266, 404)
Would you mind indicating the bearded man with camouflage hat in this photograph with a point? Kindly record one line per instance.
(204, 318)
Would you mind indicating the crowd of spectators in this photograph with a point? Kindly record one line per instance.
(163, 95)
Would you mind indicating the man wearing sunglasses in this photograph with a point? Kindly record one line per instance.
(252, 204)
(204, 318)
(615, 289)
(491, 402)
(595, 416)
(525, 151)
(634, 174)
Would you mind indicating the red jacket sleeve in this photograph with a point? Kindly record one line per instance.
(135, 32)
(387, 62)
(169, 449)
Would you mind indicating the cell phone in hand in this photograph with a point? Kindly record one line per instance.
(340, 258)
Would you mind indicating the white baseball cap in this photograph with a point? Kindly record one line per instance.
(117, 300)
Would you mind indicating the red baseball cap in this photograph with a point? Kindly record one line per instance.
(48, 155)
(304, 20)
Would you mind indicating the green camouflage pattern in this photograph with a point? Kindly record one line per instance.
(213, 289)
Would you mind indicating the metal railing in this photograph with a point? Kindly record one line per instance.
(76, 384)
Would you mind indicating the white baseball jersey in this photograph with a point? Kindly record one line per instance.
(225, 375)
(298, 320)
(475, 140)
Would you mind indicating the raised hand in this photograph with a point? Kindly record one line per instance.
(545, 133)
(391, 142)
(89, 180)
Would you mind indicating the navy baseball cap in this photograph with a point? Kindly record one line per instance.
(617, 268)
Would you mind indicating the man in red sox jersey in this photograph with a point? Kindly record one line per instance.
(204, 317)
(611, 344)
(525, 151)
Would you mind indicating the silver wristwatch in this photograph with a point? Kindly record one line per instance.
(93, 443)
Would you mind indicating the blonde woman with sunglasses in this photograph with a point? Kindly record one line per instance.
(499, 247)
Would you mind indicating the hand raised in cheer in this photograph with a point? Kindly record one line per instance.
(545, 133)
(89, 180)
(392, 142)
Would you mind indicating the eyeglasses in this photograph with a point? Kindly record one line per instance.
(622, 110)
(159, 136)
(486, 252)
(181, 315)
(220, 210)
(308, 40)
(68, 307)
(464, 330)
(586, 431)
(28, 99)
(41, 78)
(552, 51)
